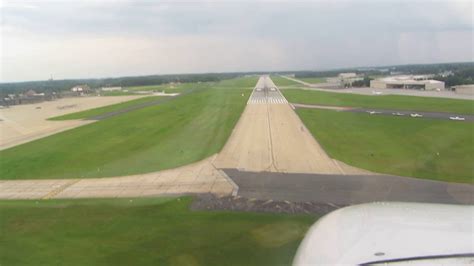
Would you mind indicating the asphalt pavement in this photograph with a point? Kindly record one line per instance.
(393, 112)
(347, 189)
(432, 115)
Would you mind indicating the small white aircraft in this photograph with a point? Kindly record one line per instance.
(272, 89)
(416, 115)
(457, 118)
(398, 114)
(377, 92)
(373, 112)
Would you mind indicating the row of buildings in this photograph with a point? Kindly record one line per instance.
(397, 81)
(418, 82)
(345, 79)
(31, 96)
(27, 97)
(413, 82)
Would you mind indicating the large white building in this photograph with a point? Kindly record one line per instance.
(407, 82)
(346, 79)
(464, 89)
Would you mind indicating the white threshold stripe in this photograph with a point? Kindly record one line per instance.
(267, 100)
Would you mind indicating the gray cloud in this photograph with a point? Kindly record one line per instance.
(110, 38)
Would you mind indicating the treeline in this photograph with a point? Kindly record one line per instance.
(61, 85)
(334, 73)
(433, 68)
(459, 77)
(463, 72)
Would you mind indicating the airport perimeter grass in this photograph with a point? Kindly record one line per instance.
(105, 109)
(144, 231)
(242, 82)
(398, 102)
(183, 130)
(423, 148)
(283, 82)
(313, 80)
(247, 82)
(167, 88)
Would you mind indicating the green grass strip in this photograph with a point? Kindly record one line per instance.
(423, 148)
(183, 130)
(399, 102)
(150, 231)
(105, 109)
(283, 82)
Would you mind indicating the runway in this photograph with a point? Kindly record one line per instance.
(266, 92)
(270, 155)
(270, 137)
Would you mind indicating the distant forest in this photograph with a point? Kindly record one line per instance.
(463, 73)
(66, 84)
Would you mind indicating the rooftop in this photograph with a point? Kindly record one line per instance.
(409, 79)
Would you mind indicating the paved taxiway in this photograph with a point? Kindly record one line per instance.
(391, 112)
(200, 177)
(348, 189)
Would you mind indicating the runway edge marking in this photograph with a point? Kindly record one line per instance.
(235, 189)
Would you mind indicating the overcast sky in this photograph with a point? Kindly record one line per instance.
(84, 39)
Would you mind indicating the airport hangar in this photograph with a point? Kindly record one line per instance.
(464, 89)
(407, 82)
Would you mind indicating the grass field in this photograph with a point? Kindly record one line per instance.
(150, 87)
(167, 88)
(241, 82)
(283, 82)
(106, 109)
(145, 231)
(423, 148)
(247, 82)
(380, 101)
(181, 131)
(313, 80)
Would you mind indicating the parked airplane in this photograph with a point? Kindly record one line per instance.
(416, 115)
(457, 118)
(398, 114)
(377, 92)
(373, 112)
